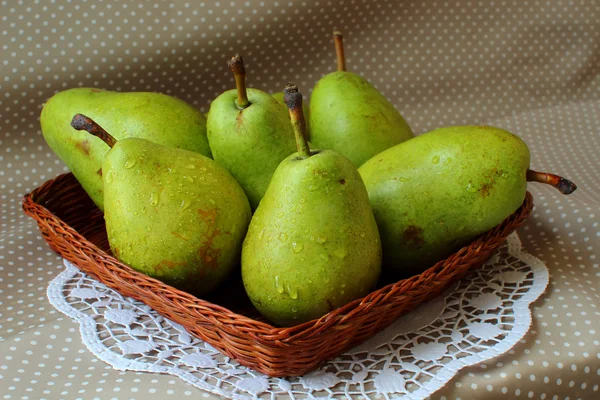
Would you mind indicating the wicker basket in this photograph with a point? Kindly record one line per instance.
(74, 227)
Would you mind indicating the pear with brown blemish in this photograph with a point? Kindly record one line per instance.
(435, 193)
(313, 244)
(172, 214)
(249, 134)
(163, 119)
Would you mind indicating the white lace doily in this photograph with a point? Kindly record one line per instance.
(481, 317)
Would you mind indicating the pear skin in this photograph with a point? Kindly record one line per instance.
(313, 244)
(157, 117)
(351, 116)
(250, 140)
(173, 214)
(435, 193)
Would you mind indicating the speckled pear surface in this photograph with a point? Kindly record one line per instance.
(349, 115)
(435, 193)
(173, 214)
(250, 143)
(312, 244)
(157, 117)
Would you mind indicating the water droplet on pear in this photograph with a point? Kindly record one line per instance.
(297, 247)
(279, 285)
(185, 203)
(340, 253)
(292, 292)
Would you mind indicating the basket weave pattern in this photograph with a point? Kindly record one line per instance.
(74, 228)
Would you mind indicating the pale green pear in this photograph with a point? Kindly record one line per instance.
(163, 119)
(171, 213)
(351, 116)
(435, 193)
(312, 245)
(249, 134)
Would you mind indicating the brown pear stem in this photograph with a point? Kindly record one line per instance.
(236, 64)
(564, 185)
(82, 123)
(293, 99)
(338, 39)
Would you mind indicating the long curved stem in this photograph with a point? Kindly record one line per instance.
(293, 99)
(83, 123)
(564, 185)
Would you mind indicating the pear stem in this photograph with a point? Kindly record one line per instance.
(338, 39)
(293, 99)
(564, 185)
(236, 65)
(82, 123)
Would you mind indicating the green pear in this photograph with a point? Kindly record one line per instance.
(279, 97)
(170, 213)
(312, 245)
(435, 193)
(349, 115)
(249, 134)
(157, 117)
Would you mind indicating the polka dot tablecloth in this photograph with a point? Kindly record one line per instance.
(532, 67)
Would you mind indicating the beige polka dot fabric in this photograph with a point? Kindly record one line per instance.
(532, 67)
